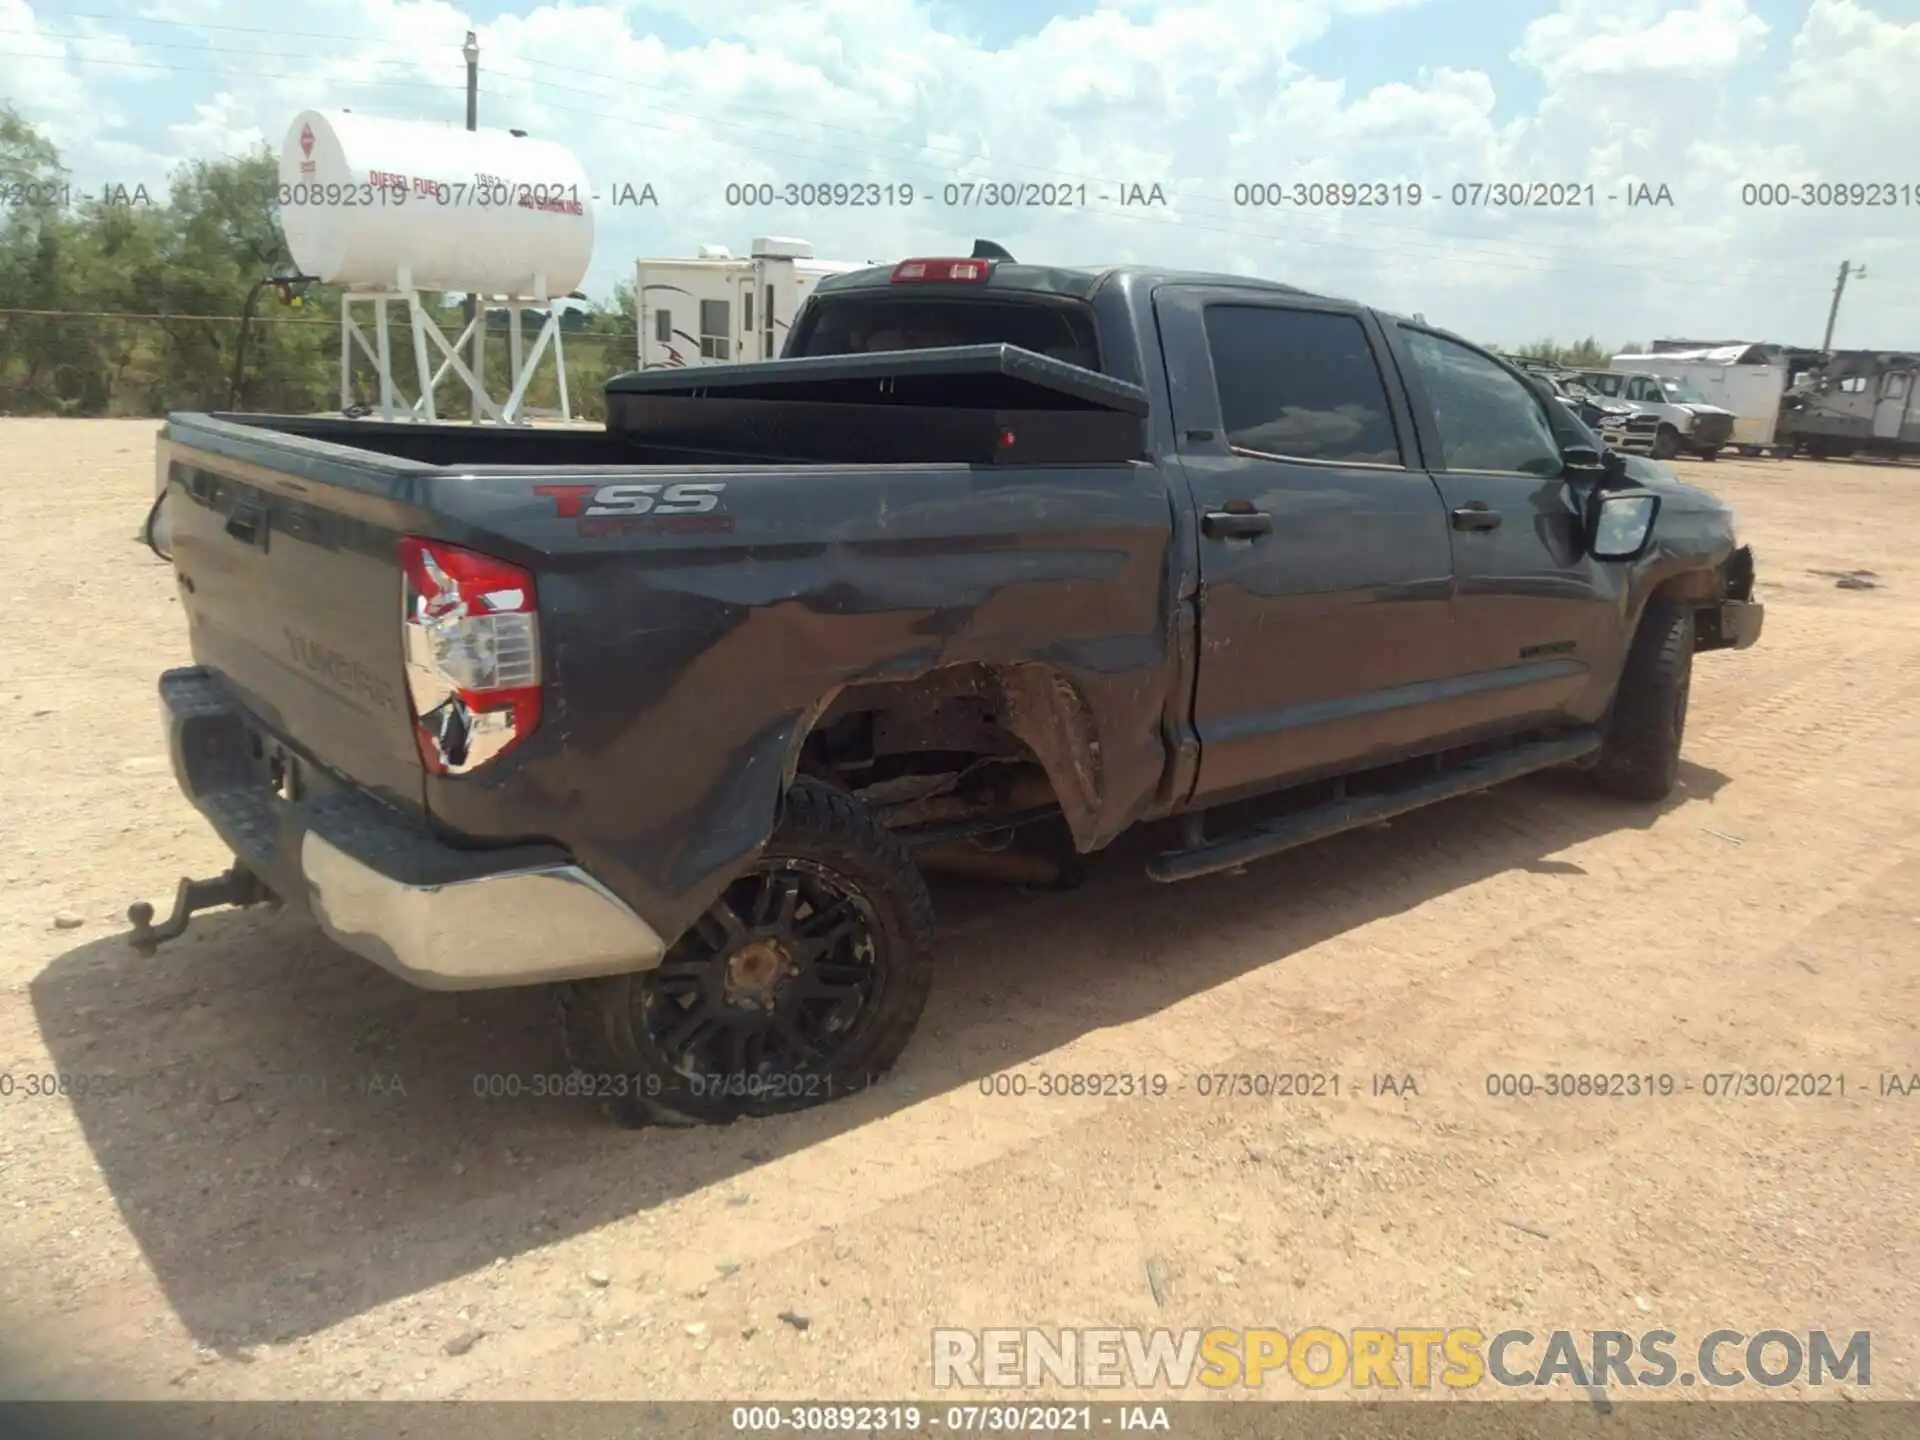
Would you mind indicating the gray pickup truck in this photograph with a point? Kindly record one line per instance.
(661, 713)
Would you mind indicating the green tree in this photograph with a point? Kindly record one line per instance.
(1587, 354)
(44, 365)
(609, 344)
(127, 305)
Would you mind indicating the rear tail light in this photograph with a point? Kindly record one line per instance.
(472, 637)
(942, 272)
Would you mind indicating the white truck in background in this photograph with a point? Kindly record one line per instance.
(1686, 421)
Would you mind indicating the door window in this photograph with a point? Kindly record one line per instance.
(716, 329)
(1300, 384)
(1487, 419)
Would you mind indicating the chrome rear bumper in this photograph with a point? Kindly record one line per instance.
(379, 883)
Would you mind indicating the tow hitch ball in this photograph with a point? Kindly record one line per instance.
(239, 886)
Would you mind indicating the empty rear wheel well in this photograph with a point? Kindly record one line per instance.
(961, 746)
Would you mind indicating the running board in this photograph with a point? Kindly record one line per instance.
(1350, 814)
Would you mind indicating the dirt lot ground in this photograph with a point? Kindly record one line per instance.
(292, 1189)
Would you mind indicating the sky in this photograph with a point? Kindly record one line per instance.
(1218, 114)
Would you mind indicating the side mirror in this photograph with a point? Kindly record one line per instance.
(1620, 524)
(1587, 460)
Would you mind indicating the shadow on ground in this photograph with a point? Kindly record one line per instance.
(294, 1137)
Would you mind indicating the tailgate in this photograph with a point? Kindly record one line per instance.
(292, 589)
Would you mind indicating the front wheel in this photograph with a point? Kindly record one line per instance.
(1640, 756)
(802, 983)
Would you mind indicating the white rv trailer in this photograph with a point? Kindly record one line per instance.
(1745, 379)
(723, 308)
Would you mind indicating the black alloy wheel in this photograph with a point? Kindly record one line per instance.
(802, 983)
(779, 975)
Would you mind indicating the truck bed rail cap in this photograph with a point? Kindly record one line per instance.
(859, 374)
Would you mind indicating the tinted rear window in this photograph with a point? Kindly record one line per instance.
(1301, 384)
(860, 326)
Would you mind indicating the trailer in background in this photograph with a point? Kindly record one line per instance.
(721, 308)
(1859, 402)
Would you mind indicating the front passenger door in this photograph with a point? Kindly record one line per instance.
(1536, 621)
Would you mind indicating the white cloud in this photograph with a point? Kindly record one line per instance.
(222, 124)
(1851, 67)
(1190, 94)
(38, 78)
(1642, 38)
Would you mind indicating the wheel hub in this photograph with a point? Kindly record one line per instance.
(775, 976)
(754, 973)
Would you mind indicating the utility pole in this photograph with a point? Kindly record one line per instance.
(1847, 267)
(472, 51)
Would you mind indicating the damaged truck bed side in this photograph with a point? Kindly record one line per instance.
(662, 712)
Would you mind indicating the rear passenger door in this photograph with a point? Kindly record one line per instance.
(1324, 558)
(1536, 619)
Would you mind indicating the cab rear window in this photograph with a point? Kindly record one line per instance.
(850, 326)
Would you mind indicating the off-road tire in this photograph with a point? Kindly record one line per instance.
(827, 831)
(1666, 443)
(1640, 756)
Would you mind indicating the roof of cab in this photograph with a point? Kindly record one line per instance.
(1075, 281)
(1081, 281)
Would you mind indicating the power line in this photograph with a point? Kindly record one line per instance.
(158, 315)
(785, 118)
(1454, 249)
(572, 335)
(1509, 262)
(175, 315)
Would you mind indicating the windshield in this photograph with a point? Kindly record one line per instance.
(860, 326)
(1682, 394)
